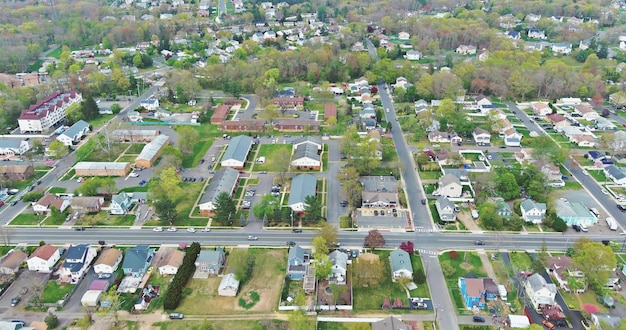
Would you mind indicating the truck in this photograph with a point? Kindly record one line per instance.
(611, 223)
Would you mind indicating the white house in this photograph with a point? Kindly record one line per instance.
(536, 34)
(404, 35)
(228, 286)
(120, 203)
(512, 138)
(108, 261)
(445, 209)
(77, 261)
(47, 112)
(541, 108)
(481, 136)
(45, 204)
(562, 48)
(171, 262)
(150, 104)
(13, 146)
(586, 112)
(616, 174)
(43, 259)
(74, 134)
(450, 186)
(466, 49)
(413, 55)
(401, 266)
(539, 292)
(339, 261)
(532, 211)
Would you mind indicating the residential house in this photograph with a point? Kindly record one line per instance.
(481, 136)
(228, 286)
(539, 292)
(403, 35)
(77, 261)
(562, 48)
(466, 50)
(502, 208)
(586, 112)
(137, 260)
(541, 108)
(450, 186)
(120, 203)
(596, 156)
(10, 263)
(44, 258)
(413, 55)
(297, 261)
(616, 174)
(512, 138)
(237, 152)
(552, 173)
(420, 105)
(439, 137)
(525, 155)
(603, 124)
(583, 140)
(532, 211)
(515, 35)
(108, 261)
(339, 261)
(87, 204)
(574, 213)
(75, 133)
(17, 172)
(211, 261)
(224, 180)
(13, 146)
(302, 186)
(47, 202)
(536, 34)
(558, 121)
(151, 151)
(445, 209)
(401, 266)
(306, 157)
(45, 114)
(170, 263)
(151, 104)
(477, 291)
(390, 323)
(562, 269)
(379, 191)
(367, 113)
(611, 320)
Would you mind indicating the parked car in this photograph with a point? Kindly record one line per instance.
(134, 174)
(420, 305)
(291, 243)
(585, 324)
(479, 319)
(157, 229)
(547, 324)
(104, 275)
(191, 230)
(423, 201)
(79, 228)
(16, 300)
(576, 228)
(142, 182)
(172, 229)
(296, 230)
(206, 230)
(176, 316)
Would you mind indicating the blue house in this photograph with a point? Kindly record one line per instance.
(297, 261)
(137, 260)
(477, 291)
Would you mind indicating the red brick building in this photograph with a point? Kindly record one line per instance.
(289, 102)
(297, 125)
(220, 114)
(243, 126)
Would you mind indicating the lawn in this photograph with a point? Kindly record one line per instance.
(105, 219)
(269, 269)
(207, 134)
(268, 151)
(26, 219)
(101, 120)
(57, 190)
(220, 325)
(135, 148)
(521, 260)
(598, 175)
(464, 263)
(371, 299)
(342, 325)
(54, 292)
(572, 185)
(577, 301)
(430, 175)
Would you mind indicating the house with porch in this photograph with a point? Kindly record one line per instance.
(339, 261)
(450, 186)
(477, 291)
(11, 262)
(481, 136)
(120, 203)
(170, 263)
(297, 262)
(108, 261)
(562, 269)
(445, 209)
(137, 260)
(532, 211)
(77, 261)
(210, 261)
(539, 292)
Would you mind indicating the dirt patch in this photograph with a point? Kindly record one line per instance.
(466, 266)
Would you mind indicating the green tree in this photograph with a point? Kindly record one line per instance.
(241, 263)
(312, 209)
(116, 108)
(419, 276)
(323, 267)
(89, 108)
(541, 261)
(265, 207)
(73, 114)
(52, 321)
(350, 185)
(507, 186)
(337, 291)
(320, 245)
(329, 233)
(168, 186)
(595, 260)
(165, 209)
(447, 269)
(57, 149)
(225, 208)
(367, 272)
(299, 321)
(187, 138)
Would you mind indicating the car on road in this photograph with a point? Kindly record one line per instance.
(177, 316)
(621, 207)
(585, 324)
(134, 174)
(104, 275)
(172, 229)
(291, 243)
(206, 230)
(479, 319)
(576, 228)
(157, 229)
(343, 203)
(585, 173)
(479, 242)
(387, 109)
(252, 238)
(142, 182)
(79, 180)
(13, 203)
(263, 172)
(16, 300)
(191, 230)
(604, 191)
(296, 230)
(79, 228)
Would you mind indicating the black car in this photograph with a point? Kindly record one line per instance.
(16, 300)
(291, 243)
(79, 228)
(480, 242)
(424, 201)
(479, 319)
(576, 228)
(296, 230)
(621, 207)
(343, 203)
(13, 203)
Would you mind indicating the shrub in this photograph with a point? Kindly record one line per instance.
(187, 268)
(453, 255)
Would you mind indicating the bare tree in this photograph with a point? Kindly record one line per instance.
(6, 234)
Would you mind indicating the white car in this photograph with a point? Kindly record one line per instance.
(586, 173)
(157, 229)
(172, 229)
(191, 230)
(387, 109)
(79, 180)
(206, 230)
(134, 175)
(605, 192)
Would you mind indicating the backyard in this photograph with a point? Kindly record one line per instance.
(269, 269)
(54, 291)
(460, 263)
(269, 151)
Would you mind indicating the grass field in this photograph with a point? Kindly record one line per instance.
(104, 219)
(269, 269)
(219, 325)
(464, 263)
(25, 219)
(57, 190)
(54, 292)
(268, 151)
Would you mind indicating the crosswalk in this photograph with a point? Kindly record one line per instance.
(427, 252)
(424, 230)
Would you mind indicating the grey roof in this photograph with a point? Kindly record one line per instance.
(302, 185)
(238, 148)
(566, 209)
(223, 181)
(478, 131)
(296, 252)
(384, 183)
(79, 127)
(400, 259)
(152, 148)
(100, 166)
(77, 251)
(390, 323)
(309, 139)
(339, 258)
(135, 258)
(135, 132)
(120, 198)
(615, 172)
(448, 179)
(537, 282)
(228, 281)
(529, 204)
(307, 150)
(210, 256)
(10, 143)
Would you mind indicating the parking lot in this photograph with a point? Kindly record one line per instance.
(382, 218)
(26, 279)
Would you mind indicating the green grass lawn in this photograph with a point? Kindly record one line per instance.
(598, 175)
(239, 325)
(105, 219)
(268, 151)
(101, 120)
(126, 159)
(572, 185)
(26, 219)
(54, 292)
(589, 297)
(57, 190)
(135, 148)
(430, 175)
(521, 260)
(464, 263)
(342, 325)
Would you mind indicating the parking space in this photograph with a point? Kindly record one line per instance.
(381, 218)
(26, 279)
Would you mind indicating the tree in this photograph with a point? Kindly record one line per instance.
(187, 138)
(507, 186)
(320, 245)
(337, 290)
(165, 209)
(57, 149)
(374, 239)
(52, 321)
(447, 269)
(265, 207)
(595, 260)
(329, 233)
(89, 108)
(270, 113)
(115, 108)
(312, 209)
(419, 276)
(225, 208)
(280, 163)
(299, 321)
(351, 185)
(541, 261)
(368, 272)
(168, 186)
(323, 267)
(241, 263)
(407, 246)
